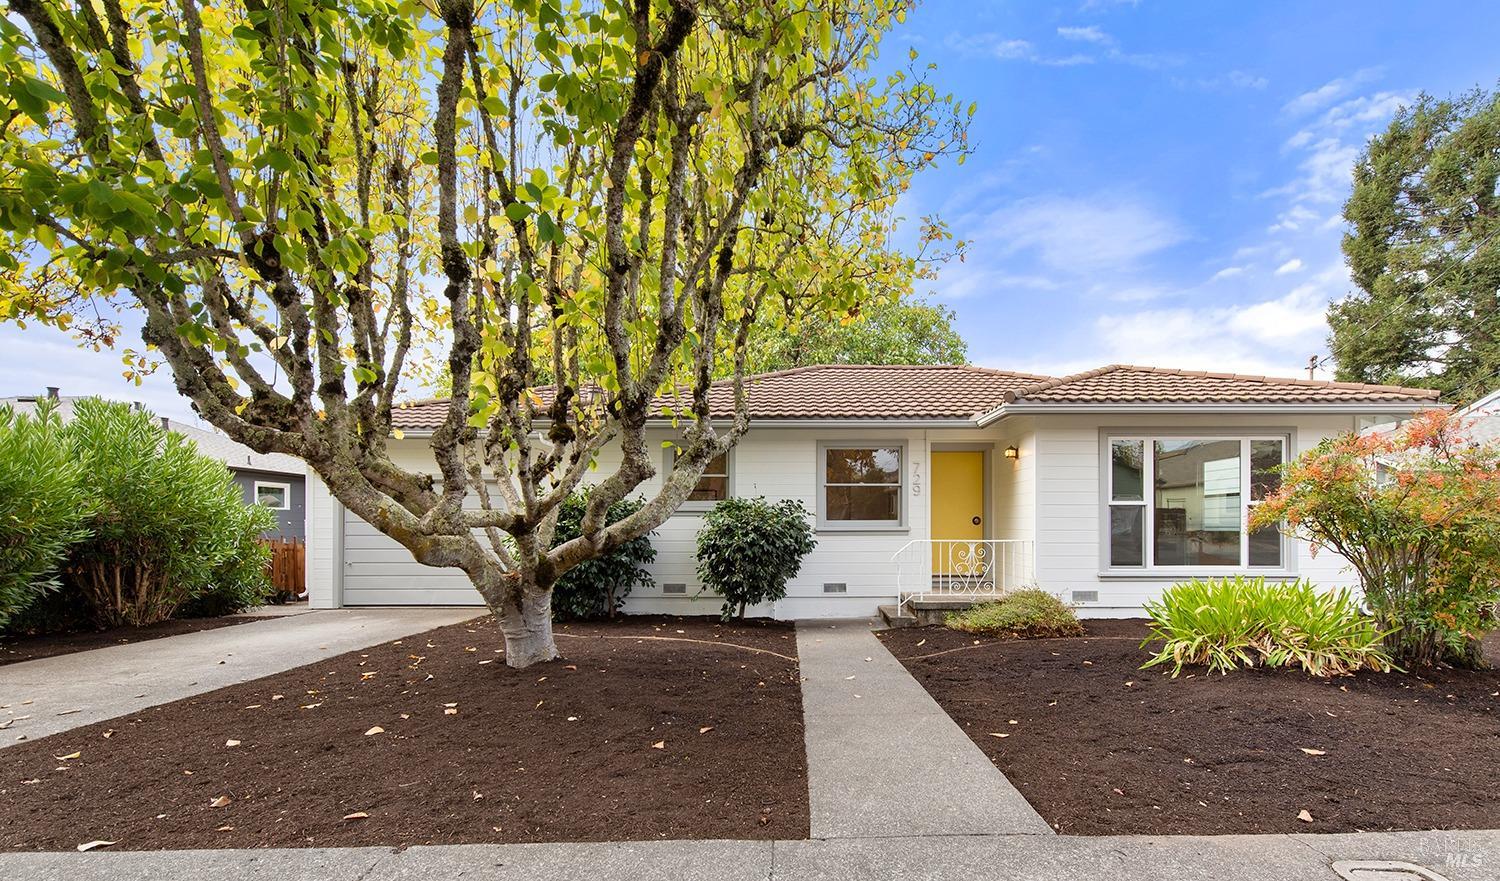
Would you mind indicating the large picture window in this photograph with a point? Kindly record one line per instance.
(1183, 501)
(861, 486)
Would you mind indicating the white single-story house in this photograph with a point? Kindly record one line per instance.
(1103, 487)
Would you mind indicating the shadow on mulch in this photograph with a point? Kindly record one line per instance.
(15, 649)
(654, 728)
(1099, 746)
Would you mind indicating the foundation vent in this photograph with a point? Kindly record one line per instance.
(835, 587)
(1085, 596)
(676, 587)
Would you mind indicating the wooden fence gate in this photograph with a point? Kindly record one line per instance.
(288, 566)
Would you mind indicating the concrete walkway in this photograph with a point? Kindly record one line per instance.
(55, 694)
(1455, 856)
(883, 759)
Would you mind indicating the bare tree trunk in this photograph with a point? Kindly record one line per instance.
(525, 617)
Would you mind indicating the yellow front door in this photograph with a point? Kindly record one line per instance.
(957, 505)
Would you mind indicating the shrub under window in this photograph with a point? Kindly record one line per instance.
(748, 549)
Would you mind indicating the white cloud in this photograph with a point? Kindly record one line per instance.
(1005, 48)
(1272, 336)
(1090, 34)
(1234, 79)
(1289, 267)
(1227, 272)
(1326, 94)
(1080, 235)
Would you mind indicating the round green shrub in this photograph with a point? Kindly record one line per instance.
(1027, 614)
(748, 549)
(597, 588)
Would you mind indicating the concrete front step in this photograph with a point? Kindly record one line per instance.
(894, 616)
(931, 609)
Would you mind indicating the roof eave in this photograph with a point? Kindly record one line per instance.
(1035, 407)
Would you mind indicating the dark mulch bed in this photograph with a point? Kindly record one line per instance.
(15, 649)
(637, 734)
(1099, 746)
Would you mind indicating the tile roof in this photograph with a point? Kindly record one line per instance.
(1129, 384)
(828, 391)
(907, 391)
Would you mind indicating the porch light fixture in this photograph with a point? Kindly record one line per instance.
(1012, 453)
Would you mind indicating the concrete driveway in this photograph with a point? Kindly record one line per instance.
(55, 694)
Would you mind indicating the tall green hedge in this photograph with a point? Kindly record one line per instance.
(157, 524)
(42, 506)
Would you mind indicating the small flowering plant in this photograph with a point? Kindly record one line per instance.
(1416, 511)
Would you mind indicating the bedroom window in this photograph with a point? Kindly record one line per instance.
(1181, 502)
(276, 496)
(713, 486)
(861, 486)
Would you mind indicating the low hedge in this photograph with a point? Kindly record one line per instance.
(1026, 614)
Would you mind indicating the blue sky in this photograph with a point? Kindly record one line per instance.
(1160, 183)
(1154, 183)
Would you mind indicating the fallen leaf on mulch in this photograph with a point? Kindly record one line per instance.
(68, 756)
(90, 845)
(375, 730)
(1304, 816)
(922, 643)
(357, 815)
(477, 795)
(998, 734)
(1312, 752)
(570, 667)
(225, 829)
(231, 742)
(220, 802)
(705, 729)
(660, 744)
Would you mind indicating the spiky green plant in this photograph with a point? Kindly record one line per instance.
(1227, 623)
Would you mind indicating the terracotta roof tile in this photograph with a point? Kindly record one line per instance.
(1129, 384)
(834, 391)
(905, 391)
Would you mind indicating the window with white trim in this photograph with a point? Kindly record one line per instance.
(861, 486)
(1182, 502)
(276, 496)
(715, 484)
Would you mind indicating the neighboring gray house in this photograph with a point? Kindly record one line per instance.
(272, 479)
(275, 480)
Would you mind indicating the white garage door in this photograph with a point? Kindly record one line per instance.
(380, 572)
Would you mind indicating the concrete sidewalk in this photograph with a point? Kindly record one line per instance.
(883, 759)
(68, 691)
(1456, 856)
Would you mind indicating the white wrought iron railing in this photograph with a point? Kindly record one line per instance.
(934, 567)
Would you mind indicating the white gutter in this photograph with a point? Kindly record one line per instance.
(1021, 408)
